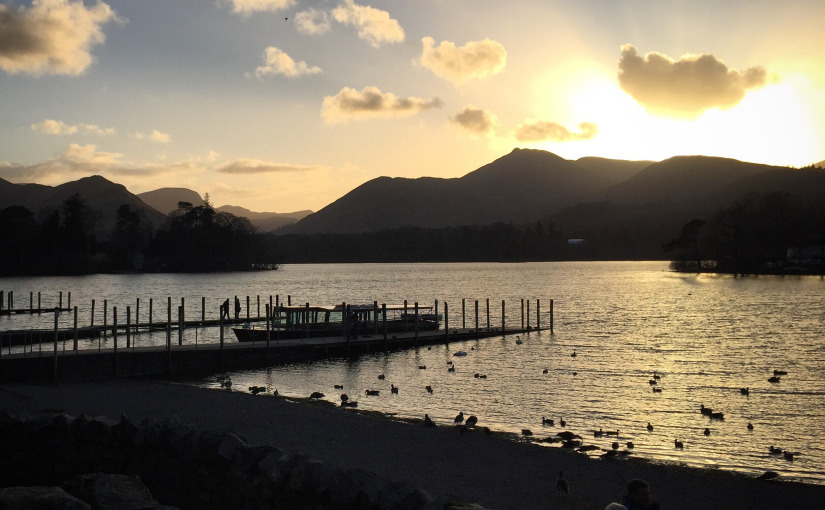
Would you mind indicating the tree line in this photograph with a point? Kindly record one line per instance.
(63, 241)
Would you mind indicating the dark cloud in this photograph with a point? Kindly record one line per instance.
(475, 120)
(371, 102)
(687, 86)
(254, 166)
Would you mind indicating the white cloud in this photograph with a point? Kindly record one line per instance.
(58, 127)
(247, 7)
(278, 62)
(155, 136)
(51, 36)
(474, 60)
(88, 155)
(476, 120)
(374, 25)
(313, 22)
(687, 86)
(255, 166)
(543, 131)
(371, 102)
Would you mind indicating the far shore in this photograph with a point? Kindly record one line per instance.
(494, 470)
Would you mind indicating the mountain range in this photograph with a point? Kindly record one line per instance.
(581, 196)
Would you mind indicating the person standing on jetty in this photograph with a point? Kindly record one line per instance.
(237, 308)
(225, 309)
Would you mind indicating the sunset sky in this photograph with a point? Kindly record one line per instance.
(285, 105)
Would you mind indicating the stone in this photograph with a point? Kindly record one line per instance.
(39, 498)
(230, 446)
(104, 491)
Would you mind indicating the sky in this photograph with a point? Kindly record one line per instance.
(287, 105)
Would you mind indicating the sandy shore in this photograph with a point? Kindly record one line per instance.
(493, 471)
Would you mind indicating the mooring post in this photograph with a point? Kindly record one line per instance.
(180, 325)
(182, 315)
(69, 303)
(258, 316)
(551, 316)
(75, 330)
(137, 314)
(92, 315)
(463, 313)
(150, 314)
(11, 300)
(203, 311)
(345, 321)
(169, 310)
(247, 307)
(2, 297)
(105, 316)
(277, 300)
(476, 318)
(416, 323)
(502, 316)
(404, 325)
(169, 348)
(538, 314)
(31, 302)
(306, 320)
(60, 301)
(527, 314)
(56, 315)
(522, 313)
(114, 333)
(128, 327)
(220, 325)
(446, 325)
(268, 332)
(436, 308)
(375, 317)
(488, 314)
(288, 300)
(384, 320)
(39, 308)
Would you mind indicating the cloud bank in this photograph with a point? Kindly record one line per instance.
(474, 60)
(476, 120)
(278, 62)
(687, 86)
(374, 25)
(247, 7)
(58, 127)
(371, 102)
(543, 131)
(313, 22)
(255, 166)
(51, 36)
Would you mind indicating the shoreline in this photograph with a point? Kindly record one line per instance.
(495, 471)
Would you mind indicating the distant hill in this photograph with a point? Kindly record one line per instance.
(103, 198)
(519, 187)
(166, 200)
(614, 170)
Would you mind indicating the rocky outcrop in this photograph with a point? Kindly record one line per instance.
(99, 463)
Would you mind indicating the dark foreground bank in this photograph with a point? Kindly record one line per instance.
(490, 470)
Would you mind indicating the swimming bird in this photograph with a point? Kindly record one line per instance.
(544, 371)
(393, 389)
(750, 426)
(422, 367)
(518, 340)
(773, 379)
(316, 395)
(678, 444)
(451, 369)
(598, 433)
(630, 445)
(573, 355)
(459, 353)
(657, 390)
(547, 421)
(372, 392)
(561, 484)
(649, 427)
(615, 445)
(652, 382)
(471, 421)
(780, 372)
(775, 449)
(477, 375)
(717, 416)
(705, 410)
(459, 419)
(449, 362)
(338, 386)
(381, 376)
(562, 422)
(788, 455)
(745, 391)
(707, 431)
(428, 421)
(429, 388)
(656, 376)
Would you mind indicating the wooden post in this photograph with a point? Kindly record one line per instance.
(258, 296)
(69, 303)
(150, 314)
(551, 316)
(114, 332)
(39, 308)
(181, 316)
(31, 302)
(375, 317)
(522, 313)
(288, 300)
(128, 327)
(306, 320)
(203, 310)
(446, 324)
(436, 307)
(169, 310)
(277, 300)
(11, 300)
(404, 325)
(527, 314)
(345, 321)
(220, 326)
(92, 317)
(2, 297)
(488, 313)
(463, 313)
(169, 348)
(54, 370)
(502, 316)
(384, 319)
(476, 318)
(137, 314)
(416, 323)
(60, 302)
(105, 316)
(538, 314)
(75, 330)
(180, 325)
(247, 307)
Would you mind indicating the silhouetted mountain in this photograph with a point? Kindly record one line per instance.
(613, 170)
(103, 198)
(265, 221)
(519, 187)
(166, 200)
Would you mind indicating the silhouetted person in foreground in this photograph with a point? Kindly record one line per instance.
(638, 496)
(225, 309)
(237, 308)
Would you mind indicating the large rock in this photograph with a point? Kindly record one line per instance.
(39, 498)
(106, 491)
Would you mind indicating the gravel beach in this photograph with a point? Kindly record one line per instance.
(495, 471)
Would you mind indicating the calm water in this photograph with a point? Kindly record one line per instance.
(707, 336)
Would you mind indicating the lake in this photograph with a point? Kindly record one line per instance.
(706, 336)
